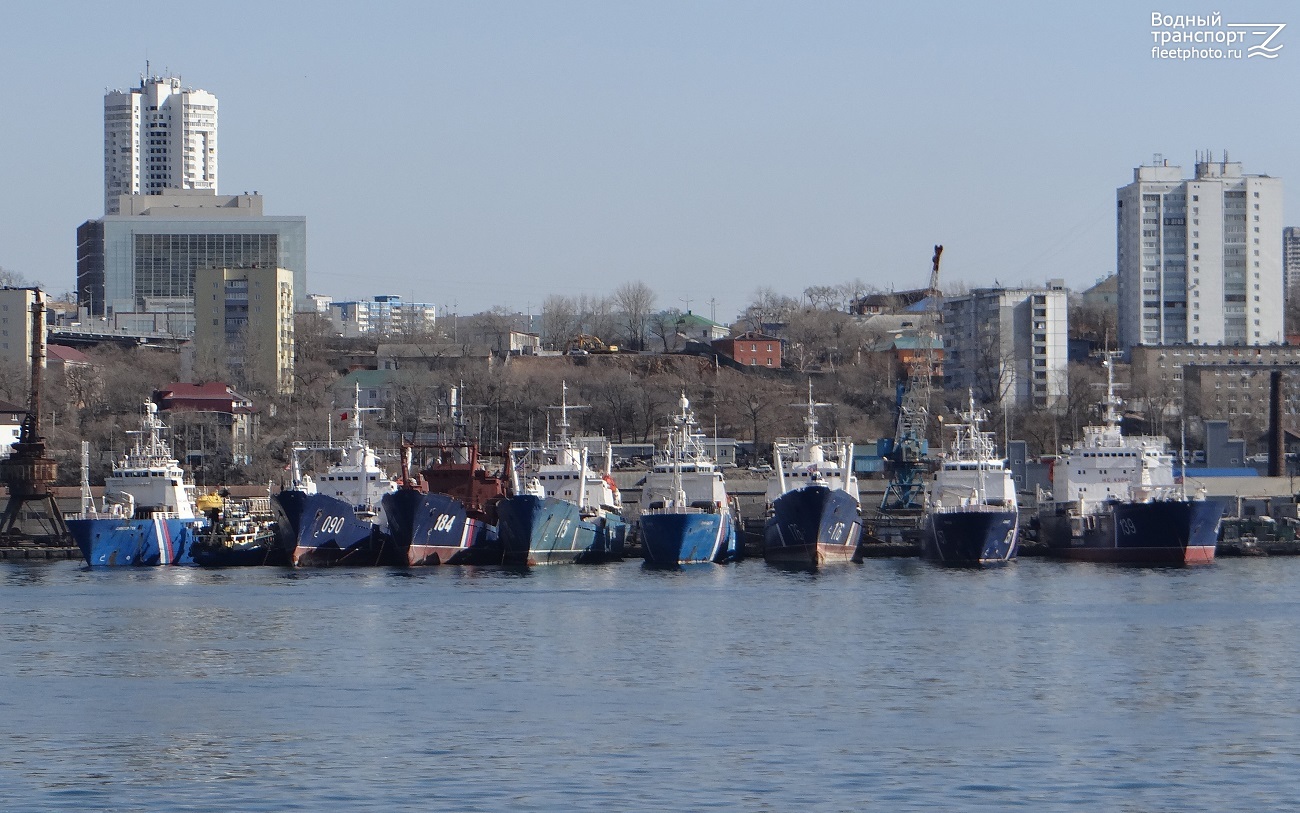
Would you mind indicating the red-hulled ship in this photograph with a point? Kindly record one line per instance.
(450, 516)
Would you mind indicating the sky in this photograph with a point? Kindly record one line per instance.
(490, 154)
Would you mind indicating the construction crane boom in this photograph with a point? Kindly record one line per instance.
(934, 272)
(908, 458)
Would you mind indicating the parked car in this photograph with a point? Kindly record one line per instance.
(761, 468)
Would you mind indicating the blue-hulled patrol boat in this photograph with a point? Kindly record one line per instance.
(334, 519)
(812, 499)
(1114, 498)
(562, 509)
(686, 515)
(972, 517)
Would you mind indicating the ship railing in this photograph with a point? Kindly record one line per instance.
(338, 446)
(685, 509)
(981, 507)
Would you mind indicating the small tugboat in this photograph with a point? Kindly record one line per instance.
(239, 533)
(448, 517)
(971, 514)
(561, 509)
(1114, 498)
(687, 515)
(812, 500)
(148, 514)
(333, 520)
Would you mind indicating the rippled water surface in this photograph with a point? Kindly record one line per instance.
(887, 686)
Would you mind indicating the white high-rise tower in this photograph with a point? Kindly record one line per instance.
(1200, 259)
(158, 137)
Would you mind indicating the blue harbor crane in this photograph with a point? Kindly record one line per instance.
(908, 457)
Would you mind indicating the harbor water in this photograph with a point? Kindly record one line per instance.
(892, 685)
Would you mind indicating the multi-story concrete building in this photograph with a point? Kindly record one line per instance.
(136, 268)
(16, 332)
(1009, 345)
(1291, 261)
(159, 136)
(1199, 260)
(1236, 393)
(385, 315)
(1209, 382)
(244, 321)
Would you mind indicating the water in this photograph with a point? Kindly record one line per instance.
(887, 686)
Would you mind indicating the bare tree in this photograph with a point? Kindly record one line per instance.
(822, 297)
(598, 314)
(767, 308)
(492, 328)
(635, 300)
(13, 279)
(664, 326)
(561, 320)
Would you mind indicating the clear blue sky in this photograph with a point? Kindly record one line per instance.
(476, 154)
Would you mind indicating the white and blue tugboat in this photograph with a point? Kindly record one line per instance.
(335, 519)
(972, 518)
(562, 509)
(148, 515)
(812, 499)
(687, 515)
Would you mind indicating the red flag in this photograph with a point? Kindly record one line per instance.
(343, 417)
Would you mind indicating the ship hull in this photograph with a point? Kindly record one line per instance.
(970, 538)
(672, 539)
(811, 527)
(433, 529)
(1163, 532)
(135, 542)
(320, 531)
(543, 530)
(261, 554)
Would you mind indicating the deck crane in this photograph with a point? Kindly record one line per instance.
(906, 488)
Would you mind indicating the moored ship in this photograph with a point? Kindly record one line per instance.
(687, 515)
(562, 509)
(971, 513)
(239, 533)
(148, 516)
(812, 499)
(334, 519)
(1114, 498)
(450, 516)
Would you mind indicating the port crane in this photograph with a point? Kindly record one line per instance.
(907, 457)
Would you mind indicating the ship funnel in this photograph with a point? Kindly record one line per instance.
(1276, 446)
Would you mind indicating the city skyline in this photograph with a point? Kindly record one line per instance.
(491, 154)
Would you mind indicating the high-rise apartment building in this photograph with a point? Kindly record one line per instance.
(1291, 261)
(158, 136)
(243, 321)
(1199, 260)
(1009, 345)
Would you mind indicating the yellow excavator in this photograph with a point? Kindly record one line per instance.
(585, 343)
